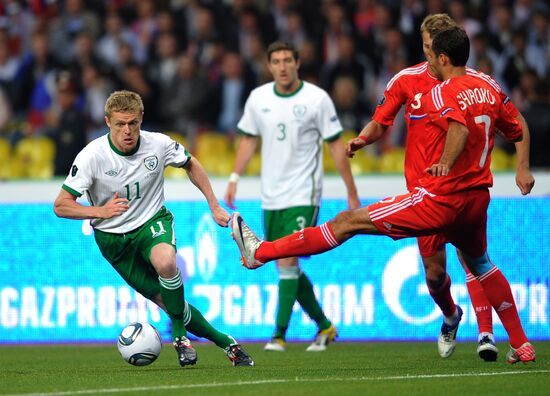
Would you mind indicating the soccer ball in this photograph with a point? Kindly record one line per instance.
(139, 344)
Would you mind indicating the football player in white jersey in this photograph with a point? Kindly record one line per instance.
(122, 174)
(293, 118)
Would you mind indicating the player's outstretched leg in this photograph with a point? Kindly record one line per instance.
(446, 342)
(186, 353)
(525, 353)
(246, 240)
(307, 242)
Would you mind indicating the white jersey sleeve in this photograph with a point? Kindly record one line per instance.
(328, 121)
(248, 123)
(81, 175)
(176, 155)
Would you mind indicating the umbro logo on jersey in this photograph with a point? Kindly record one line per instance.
(151, 162)
(504, 305)
(266, 110)
(112, 172)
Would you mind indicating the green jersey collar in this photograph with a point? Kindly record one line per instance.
(287, 95)
(113, 147)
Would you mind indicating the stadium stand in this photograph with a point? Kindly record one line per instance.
(38, 43)
(34, 158)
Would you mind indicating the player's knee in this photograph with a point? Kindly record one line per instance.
(166, 270)
(478, 265)
(345, 225)
(165, 266)
(435, 278)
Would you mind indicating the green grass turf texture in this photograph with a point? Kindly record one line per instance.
(345, 369)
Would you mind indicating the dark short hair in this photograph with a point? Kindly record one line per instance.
(282, 46)
(454, 43)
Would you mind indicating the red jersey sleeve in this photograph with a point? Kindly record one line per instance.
(508, 124)
(394, 97)
(496, 86)
(513, 110)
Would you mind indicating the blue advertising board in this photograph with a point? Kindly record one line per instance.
(56, 287)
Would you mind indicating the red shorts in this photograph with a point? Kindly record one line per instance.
(460, 219)
(429, 245)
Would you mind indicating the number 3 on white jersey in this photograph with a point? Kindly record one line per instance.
(486, 120)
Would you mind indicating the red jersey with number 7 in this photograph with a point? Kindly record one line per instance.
(406, 89)
(475, 103)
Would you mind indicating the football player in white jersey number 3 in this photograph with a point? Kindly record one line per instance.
(122, 174)
(293, 118)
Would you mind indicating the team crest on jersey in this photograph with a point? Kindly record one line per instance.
(151, 162)
(299, 110)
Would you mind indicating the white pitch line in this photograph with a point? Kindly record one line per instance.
(274, 381)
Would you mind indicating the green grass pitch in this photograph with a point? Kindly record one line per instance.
(345, 369)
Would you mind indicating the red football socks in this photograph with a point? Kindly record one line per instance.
(482, 306)
(311, 240)
(498, 292)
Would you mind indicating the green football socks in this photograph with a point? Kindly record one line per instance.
(310, 305)
(171, 291)
(200, 327)
(186, 317)
(288, 290)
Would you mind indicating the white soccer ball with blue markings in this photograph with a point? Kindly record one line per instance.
(139, 344)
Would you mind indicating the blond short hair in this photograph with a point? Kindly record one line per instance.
(123, 102)
(435, 23)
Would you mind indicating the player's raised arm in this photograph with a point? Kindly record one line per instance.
(368, 135)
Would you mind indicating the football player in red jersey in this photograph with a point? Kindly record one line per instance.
(405, 89)
(459, 117)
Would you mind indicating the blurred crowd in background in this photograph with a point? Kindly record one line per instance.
(195, 62)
